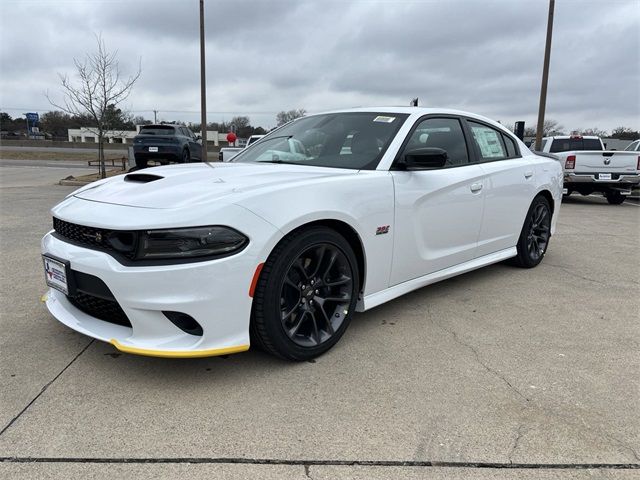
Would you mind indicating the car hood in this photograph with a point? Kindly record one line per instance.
(179, 186)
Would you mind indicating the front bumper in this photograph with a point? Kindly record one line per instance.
(215, 293)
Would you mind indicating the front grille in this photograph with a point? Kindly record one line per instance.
(98, 238)
(107, 310)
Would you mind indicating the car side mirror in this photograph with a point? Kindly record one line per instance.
(425, 158)
(198, 137)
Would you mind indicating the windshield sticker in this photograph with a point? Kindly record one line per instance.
(383, 119)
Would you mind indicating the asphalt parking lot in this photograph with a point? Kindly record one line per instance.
(499, 373)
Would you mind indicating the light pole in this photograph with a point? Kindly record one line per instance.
(203, 88)
(545, 77)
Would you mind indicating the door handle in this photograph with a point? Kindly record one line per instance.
(528, 174)
(476, 187)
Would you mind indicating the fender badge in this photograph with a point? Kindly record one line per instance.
(382, 230)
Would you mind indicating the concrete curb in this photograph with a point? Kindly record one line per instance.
(73, 183)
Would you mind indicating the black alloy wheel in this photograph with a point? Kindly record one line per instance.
(186, 158)
(316, 295)
(535, 235)
(306, 295)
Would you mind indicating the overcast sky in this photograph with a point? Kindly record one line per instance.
(483, 56)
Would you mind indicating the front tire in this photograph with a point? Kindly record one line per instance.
(534, 237)
(306, 295)
(614, 197)
(186, 157)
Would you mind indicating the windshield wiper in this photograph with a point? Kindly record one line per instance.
(278, 161)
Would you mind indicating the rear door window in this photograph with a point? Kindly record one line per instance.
(489, 142)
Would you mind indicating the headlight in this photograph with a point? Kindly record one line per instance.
(190, 242)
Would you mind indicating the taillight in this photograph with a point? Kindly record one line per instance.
(570, 163)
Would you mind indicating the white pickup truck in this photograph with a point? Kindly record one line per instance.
(589, 168)
(228, 153)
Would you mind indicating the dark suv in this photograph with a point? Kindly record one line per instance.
(166, 143)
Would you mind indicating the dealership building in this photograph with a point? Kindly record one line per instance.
(89, 135)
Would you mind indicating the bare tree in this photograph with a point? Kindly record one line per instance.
(285, 117)
(551, 127)
(595, 131)
(96, 91)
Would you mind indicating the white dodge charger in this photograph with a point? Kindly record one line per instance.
(330, 214)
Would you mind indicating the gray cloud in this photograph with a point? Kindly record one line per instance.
(264, 56)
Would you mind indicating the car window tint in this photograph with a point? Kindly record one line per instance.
(444, 133)
(489, 142)
(573, 144)
(632, 147)
(157, 130)
(511, 146)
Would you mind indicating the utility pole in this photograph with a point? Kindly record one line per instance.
(545, 77)
(155, 116)
(203, 88)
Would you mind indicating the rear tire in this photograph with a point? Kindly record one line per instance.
(306, 295)
(535, 235)
(614, 197)
(141, 163)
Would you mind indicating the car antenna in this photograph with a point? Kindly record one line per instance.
(414, 102)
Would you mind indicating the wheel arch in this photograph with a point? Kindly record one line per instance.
(347, 232)
(549, 197)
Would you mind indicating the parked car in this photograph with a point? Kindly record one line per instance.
(281, 246)
(589, 168)
(166, 143)
(227, 153)
(633, 147)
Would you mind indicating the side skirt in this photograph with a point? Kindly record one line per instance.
(390, 293)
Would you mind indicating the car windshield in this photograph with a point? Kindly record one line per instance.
(355, 140)
(157, 130)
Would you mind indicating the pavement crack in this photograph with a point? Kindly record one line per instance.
(573, 274)
(307, 463)
(307, 467)
(481, 362)
(516, 443)
(45, 387)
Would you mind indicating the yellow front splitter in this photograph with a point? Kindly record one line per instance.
(178, 353)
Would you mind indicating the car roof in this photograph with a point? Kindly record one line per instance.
(418, 112)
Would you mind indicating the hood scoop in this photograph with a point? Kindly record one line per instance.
(142, 177)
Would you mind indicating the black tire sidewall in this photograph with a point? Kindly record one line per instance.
(267, 311)
(185, 158)
(524, 259)
(615, 198)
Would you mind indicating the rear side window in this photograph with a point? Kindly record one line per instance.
(511, 146)
(488, 141)
(571, 144)
(444, 133)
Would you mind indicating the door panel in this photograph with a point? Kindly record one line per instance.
(437, 219)
(509, 189)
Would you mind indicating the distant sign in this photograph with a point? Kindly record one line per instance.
(33, 119)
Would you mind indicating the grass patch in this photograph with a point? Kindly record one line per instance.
(73, 156)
